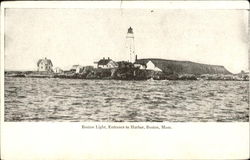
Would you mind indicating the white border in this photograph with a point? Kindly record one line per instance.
(2, 63)
(50, 140)
(129, 4)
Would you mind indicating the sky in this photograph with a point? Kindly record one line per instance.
(82, 36)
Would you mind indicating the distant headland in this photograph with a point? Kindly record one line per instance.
(133, 69)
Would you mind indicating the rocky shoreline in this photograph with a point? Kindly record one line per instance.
(126, 74)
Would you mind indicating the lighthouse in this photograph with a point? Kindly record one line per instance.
(130, 46)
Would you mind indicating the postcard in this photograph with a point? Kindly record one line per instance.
(125, 80)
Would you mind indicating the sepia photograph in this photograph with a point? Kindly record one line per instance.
(124, 80)
(125, 65)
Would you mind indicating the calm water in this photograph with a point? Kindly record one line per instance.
(41, 99)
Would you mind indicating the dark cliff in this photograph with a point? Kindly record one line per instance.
(185, 67)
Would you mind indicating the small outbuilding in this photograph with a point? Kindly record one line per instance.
(140, 65)
(74, 67)
(79, 69)
(58, 70)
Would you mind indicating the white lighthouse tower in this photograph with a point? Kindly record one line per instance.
(130, 46)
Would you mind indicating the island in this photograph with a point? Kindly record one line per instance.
(133, 69)
(141, 69)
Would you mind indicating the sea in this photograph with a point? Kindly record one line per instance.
(80, 100)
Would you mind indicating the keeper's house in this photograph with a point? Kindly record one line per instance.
(44, 65)
(107, 64)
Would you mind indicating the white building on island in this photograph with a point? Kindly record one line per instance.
(107, 64)
(58, 70)
(44, 65)
(146, 65)
(151, 66)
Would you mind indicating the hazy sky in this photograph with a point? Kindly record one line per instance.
(82, 36)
